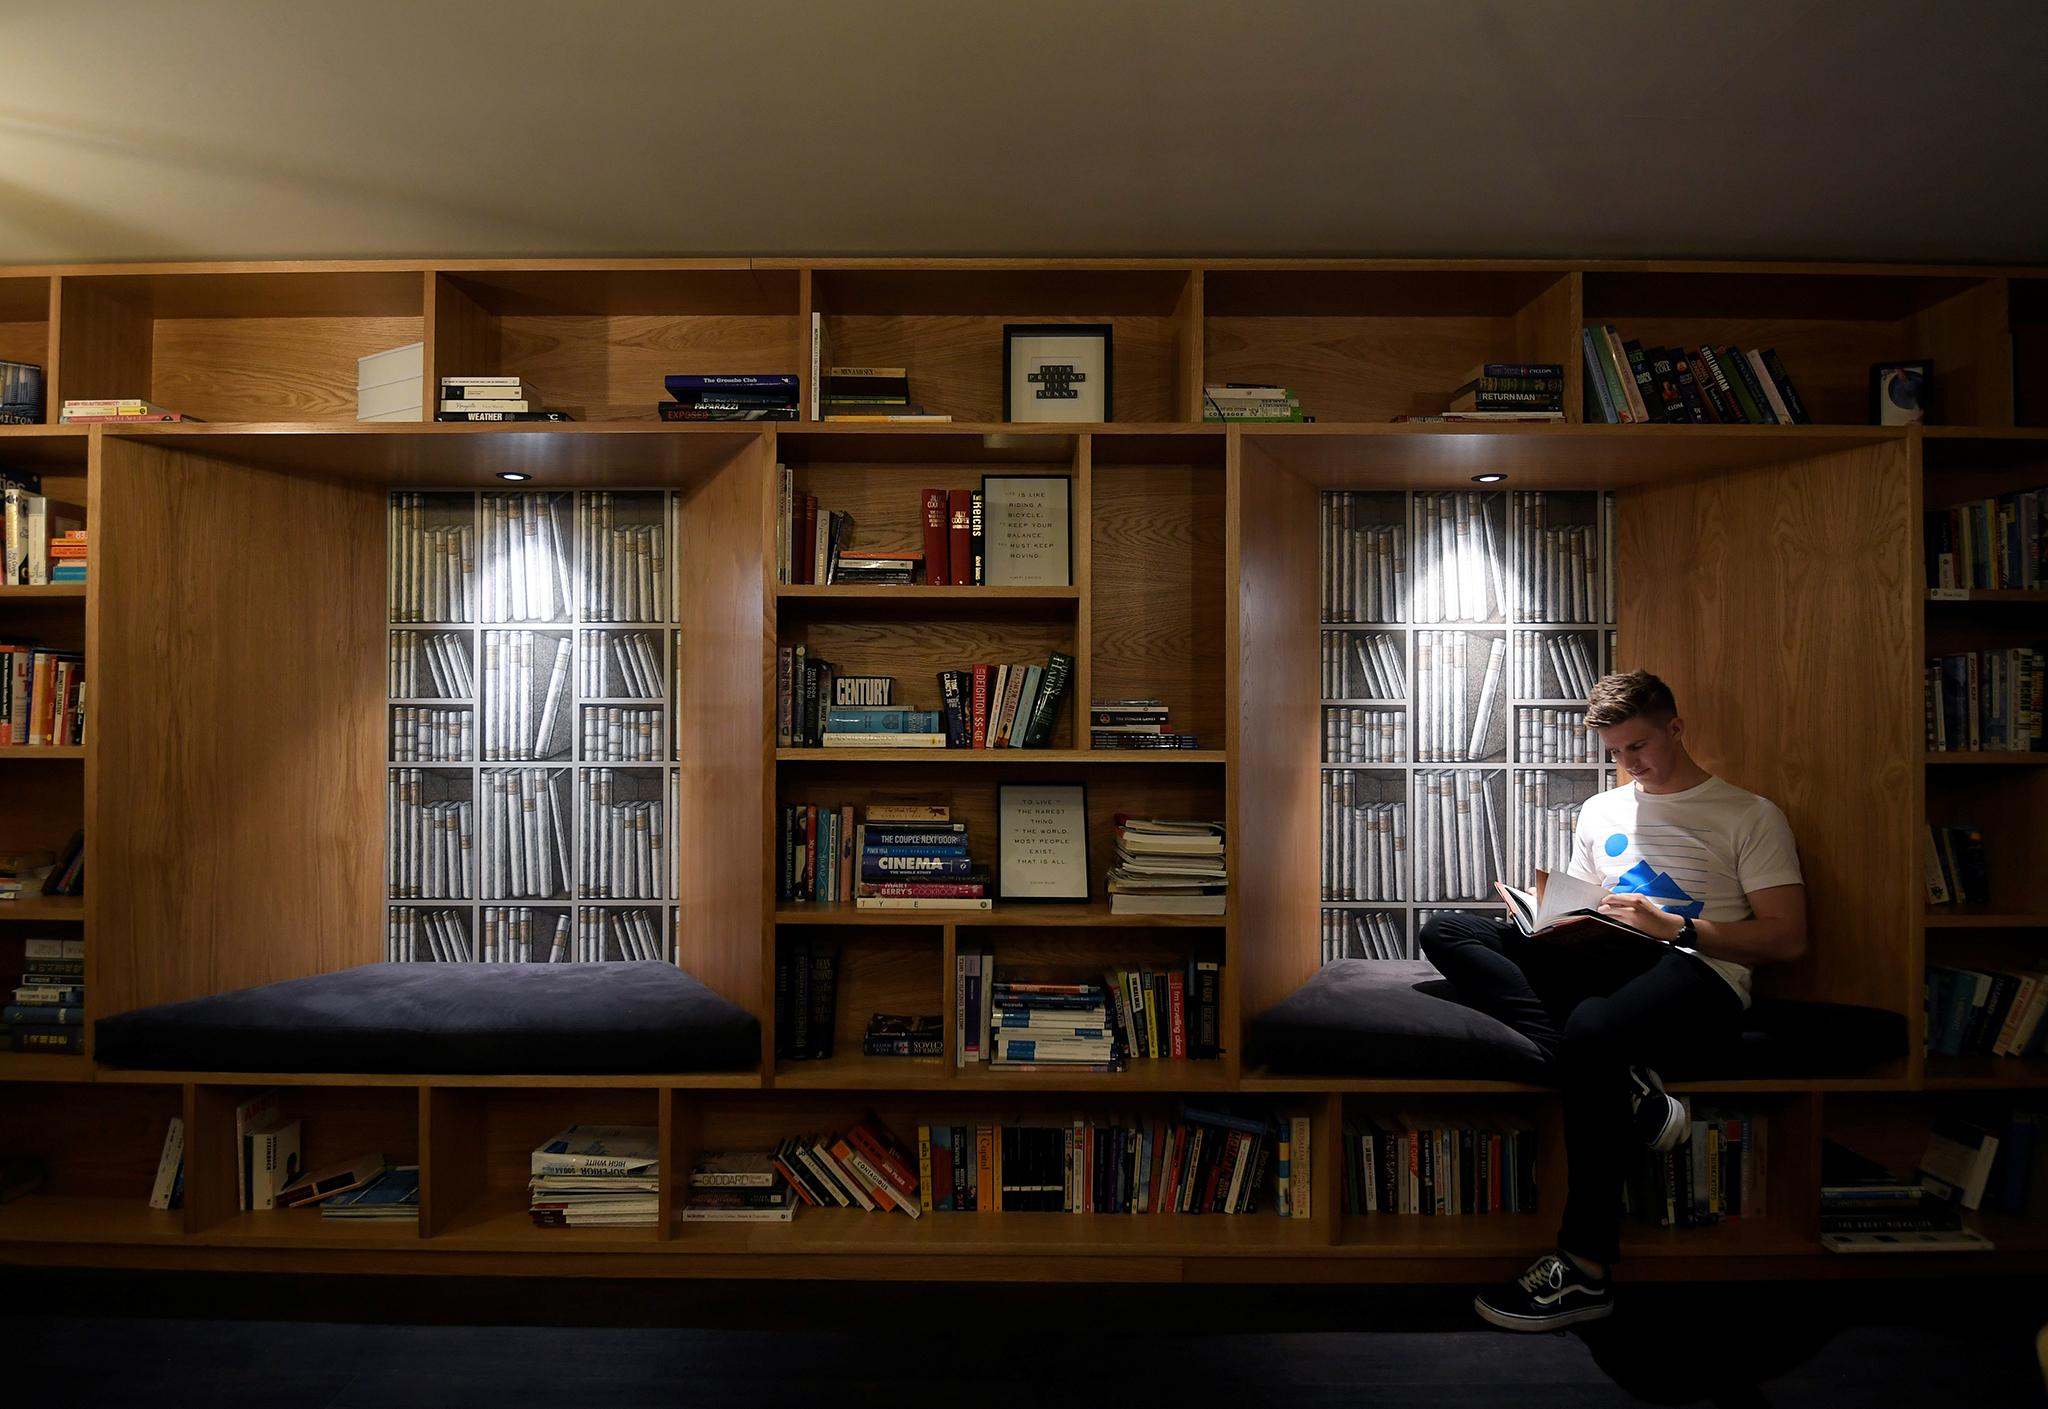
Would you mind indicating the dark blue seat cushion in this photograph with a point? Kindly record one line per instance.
(515, 1019)
(1401, 1018)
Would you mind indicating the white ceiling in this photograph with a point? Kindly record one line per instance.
(1869, 129)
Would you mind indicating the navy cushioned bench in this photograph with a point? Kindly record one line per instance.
(1401, 1018)
(514, 1019)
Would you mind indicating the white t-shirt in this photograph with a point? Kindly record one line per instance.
(1698, 852)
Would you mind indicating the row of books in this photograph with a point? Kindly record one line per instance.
(621, 664)
(44, 872)
(895, 858)
(116, 410)
(1444, 731)
(625, 563)
(596, 1176)
(521, 715)
(522, 849)
(1247, 402)
(1986, 700)
(42, 696)
(1136, 723)
(491, 399)
(1995, 543)
(1362, 934)
(432, 569)
(1168, 866)
(1627, 382)
(981, 706)
(1957, 867)
(1354, 734)
(1558, 569)
(1365, 563)
(507, 934)
(1720, 1170)
(526, 572)
(1570, 656)
(1035, 1023)
(1358, 666)
(858, 393)
(615, 734)
(1556, 736)
(431, 840)
(1548, 820)
(1511, 390)
(806, 999)
(431, 663)
(1458, 837)
(1365, 842)
(1438, 1166)
(610, 664)
(421, 734)
(812, 544)
(21, 394)
(41, 540)
(1986, 1012)
(614, 935)
(620, 842)
(1458, 571)
(729, 396)
(47, 1011)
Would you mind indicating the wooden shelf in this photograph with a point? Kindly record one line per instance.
(44, 907)
(998, 757)
(53, 592)
(44, 1066)
(30, 754)
(1015, 913)
(38, 1217)
(2012, 759)
(923, 601)
(1985, 1073)
(1967, 919)
(497, 1221)
(854, 1232)
(1990, 596)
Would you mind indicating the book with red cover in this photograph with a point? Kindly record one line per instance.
(936, 534)
(959, 537)
(892, 1163)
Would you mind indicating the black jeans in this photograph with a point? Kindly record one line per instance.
(1594, 1016)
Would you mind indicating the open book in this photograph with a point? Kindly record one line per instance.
(1565, 909)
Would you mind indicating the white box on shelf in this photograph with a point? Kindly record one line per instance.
(394, 364)
(393, 401)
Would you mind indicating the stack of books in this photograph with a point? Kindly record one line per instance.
(904, 1035)
(870, 394)
(48, 1011)
(116, 410)
(1990, 544)
(1047, 1025)
(739, 1187)
(1864, 1207)
(806, 999)
(865, 1168)
(390, 1196)
(1986, 1012)
(1986, 700)
(1242, 401)
(68, 556)
(492, 399)
(874, 727)
(918, 866)
(1627, 382)
(42, 697)
(389, 384)
(1135, 724)
(30, 524)
(597, 1176)
(1509, 391)
(1167, 867)
(21, 394)
(729, 396)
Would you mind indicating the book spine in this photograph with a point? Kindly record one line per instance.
(960, 538)
(1643, 389)
(936, 538)
(1785, 388)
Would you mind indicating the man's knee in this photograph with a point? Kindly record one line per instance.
(1593, 1035)
(1443, 932)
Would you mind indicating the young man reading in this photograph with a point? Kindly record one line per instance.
(1690, 860)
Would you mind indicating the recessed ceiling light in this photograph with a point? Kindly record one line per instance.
(514, 475)
(1488, 479)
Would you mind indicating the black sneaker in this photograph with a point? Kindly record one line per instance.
(1554, 1293)
(1661, 1118)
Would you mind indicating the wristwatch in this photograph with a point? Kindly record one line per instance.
(1687, 935)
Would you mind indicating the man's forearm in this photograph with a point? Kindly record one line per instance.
(1749, 941)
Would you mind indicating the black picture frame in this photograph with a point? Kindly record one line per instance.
(1087, 872)
(1881, 372)
(1104, 332)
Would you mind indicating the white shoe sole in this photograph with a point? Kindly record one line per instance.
(1541, 1323)
(1677, 1121)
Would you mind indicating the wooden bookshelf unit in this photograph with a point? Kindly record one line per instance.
(232, 785)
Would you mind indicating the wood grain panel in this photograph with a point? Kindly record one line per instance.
(881, 970)
(1969, 337)
(725, 725)
(234, 781)
(1547, 330)
(956, 360)
(268, 369)
(27, 340)
(1157, 548)
(1789, 647)
(462, 337)
(516, 1120)
(610, 368)
(105, 1146)
(2010, 807)
(103, 343)
(45, 803)
(1274, 810)
(1356, 369)
(454, 1161)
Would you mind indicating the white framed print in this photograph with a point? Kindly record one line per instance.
(1042, 841)
(1026, 537)
(1056, 371)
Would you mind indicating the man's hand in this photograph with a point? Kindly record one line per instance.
(1642, 913)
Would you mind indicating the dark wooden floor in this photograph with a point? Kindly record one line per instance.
(106, 1341)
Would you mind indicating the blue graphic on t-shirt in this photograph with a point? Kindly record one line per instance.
(1617, 844)
(1643, 879)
